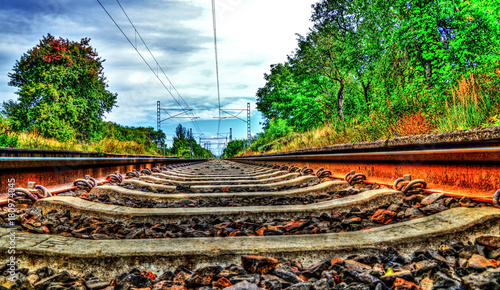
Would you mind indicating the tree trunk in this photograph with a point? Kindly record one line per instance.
(366, 88)
(340, 101)
(428, 73)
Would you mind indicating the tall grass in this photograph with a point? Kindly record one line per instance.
(468, 110)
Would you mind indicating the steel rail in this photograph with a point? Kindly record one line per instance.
(58, 174)
(472, 172)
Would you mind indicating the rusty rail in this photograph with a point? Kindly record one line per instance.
(58, 174)
(457, 163)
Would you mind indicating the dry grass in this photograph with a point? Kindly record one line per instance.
(34, 140)
(414, 124)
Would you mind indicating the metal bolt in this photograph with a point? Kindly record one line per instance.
(31, 185)
(352, 172)
(87, 177)
(117, 172)
(407, 177)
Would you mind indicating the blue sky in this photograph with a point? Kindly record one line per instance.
(252, 35)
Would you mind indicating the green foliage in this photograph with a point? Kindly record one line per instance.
(371, 64)
(182, 145)
(7, 139)
(233, 148)
(146, 137)
(278, 128)
(62, 90)
(181, 132)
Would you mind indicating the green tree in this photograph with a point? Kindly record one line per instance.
(234, 147)
(182, 145)
(290, 96)
(62, 90)
(181, 132)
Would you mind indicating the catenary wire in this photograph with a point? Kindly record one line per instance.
(158, 65)
(146, 62)
(216, 63)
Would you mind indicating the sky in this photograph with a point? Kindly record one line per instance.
(251, 35)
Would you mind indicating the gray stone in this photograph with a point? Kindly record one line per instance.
(490, 279)
(393, 207)
(495, 254)
(22, 284)
(251, 278)
(245, 285)
(203, 276)
(96, 284)
(433, 208)
(60, 277)
(432, 198)
(286, 275)
(301, 286)
(441, 281)
(273, 284)
(321, 284)
(413, 213)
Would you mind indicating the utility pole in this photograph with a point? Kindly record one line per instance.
(191, 140)
(236, 115)
(158, 116)
(230, 134)
(249, 134)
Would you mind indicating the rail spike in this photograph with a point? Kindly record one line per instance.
(322, 173)
(408, 184)
(33, 192)
(353, 178)
(115, 178)
(87, 183)
(306, 171)
(133, 173)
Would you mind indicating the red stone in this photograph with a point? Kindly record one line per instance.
(489, 241)
(402, 284)
(149, 275)
(274, 228)
(384, 216)
(260, 232)
(494, 262)
(334, 261)
(260, 265)
(223, 283)
(478, 261)
(293, 225)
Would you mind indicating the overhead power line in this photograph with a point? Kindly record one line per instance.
(216, 61)
(158, 66)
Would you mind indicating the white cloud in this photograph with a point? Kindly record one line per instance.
(252, 35)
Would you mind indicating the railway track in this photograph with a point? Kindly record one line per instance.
(273, 222)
